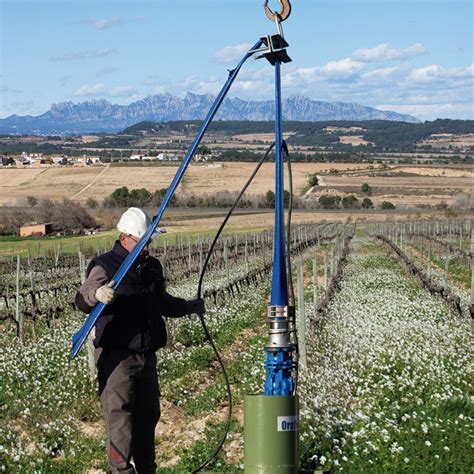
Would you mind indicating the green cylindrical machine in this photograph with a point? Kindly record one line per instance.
(271, 434)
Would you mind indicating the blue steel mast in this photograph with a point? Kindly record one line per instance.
(279, 363)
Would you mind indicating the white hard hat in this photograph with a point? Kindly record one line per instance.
(134, 221)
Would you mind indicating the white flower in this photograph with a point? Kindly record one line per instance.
(428, 443)
(406, 460)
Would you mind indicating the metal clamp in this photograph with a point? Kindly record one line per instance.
(284, 13)
(279, 336)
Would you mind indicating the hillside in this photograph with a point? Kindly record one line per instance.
(374, 135)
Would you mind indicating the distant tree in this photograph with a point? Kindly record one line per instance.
(365, 188)
(204, 150)
(313, 180)
(329, 202)
(349, 202)
(32, 201)
(387, 205)
(121, 197)
(139, 197)
(367, 203)
(270, 198)
(65, 214)
(158, 196)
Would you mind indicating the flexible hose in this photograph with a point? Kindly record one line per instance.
(290, 212)
(288, 256)
(201, 317)
(229, 399)
(227, 217)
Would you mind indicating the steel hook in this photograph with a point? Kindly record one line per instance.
(284, 13)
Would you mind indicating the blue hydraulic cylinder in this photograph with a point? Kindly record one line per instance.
(80, 336)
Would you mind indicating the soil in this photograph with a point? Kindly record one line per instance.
(93, 182)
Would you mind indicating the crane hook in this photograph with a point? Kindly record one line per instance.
(284, 13)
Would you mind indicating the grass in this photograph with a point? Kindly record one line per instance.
(458, 273)
(11, 246)
(44, 246)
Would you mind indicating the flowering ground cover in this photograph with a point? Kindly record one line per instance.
(50, 418)
(386, 389)
(388, 381)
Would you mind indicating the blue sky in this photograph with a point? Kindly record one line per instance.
(410, 56)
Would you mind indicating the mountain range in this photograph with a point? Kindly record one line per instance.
(67, 118)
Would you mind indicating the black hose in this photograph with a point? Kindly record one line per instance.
(201, 317)
(288, 257)
(227, 217)
(290, 212)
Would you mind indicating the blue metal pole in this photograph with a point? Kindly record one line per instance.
(80, 336)
(279, 294)
(279, 363)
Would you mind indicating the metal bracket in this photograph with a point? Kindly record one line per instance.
(273, 49)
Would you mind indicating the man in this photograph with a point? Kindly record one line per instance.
(126, 336)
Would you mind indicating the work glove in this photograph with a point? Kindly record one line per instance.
(196, 306)
(106, 294)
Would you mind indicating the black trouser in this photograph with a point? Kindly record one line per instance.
(129, 393)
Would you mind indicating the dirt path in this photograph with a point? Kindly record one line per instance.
(85, 188)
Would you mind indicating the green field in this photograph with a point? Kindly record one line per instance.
(11, 246)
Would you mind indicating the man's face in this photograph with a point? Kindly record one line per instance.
(128, 242)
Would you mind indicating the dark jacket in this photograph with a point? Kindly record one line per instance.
(134, 320)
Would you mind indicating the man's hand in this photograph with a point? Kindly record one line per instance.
(106, 294)
(196, 306)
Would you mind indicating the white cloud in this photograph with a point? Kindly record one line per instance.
(434, 72)
(384, 76)
(87, 91)
(425, 74)
(103, 24)
(384, 52)
(83, 54)
(231, 54)
(343, 67)
(333, 72)
(123, 91)
(193, 84)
